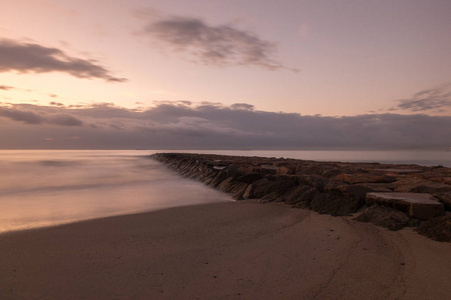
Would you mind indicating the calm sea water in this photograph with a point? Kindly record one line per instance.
(45, 188)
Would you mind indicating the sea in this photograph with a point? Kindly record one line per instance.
(40, 188)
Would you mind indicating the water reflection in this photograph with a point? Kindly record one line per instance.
(48, 188)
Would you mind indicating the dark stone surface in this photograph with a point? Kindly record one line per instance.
(334, 204)
(384, 216)
(445, 198)
(438, 229)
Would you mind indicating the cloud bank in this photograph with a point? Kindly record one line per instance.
(27, 57)
(214, 45)
(181, 125)
(30, 117)
(435, 99)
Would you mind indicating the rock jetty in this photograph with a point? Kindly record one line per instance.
(393, 196)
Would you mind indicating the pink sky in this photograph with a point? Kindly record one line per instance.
(329, 58)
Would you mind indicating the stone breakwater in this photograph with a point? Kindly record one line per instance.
(393, 196)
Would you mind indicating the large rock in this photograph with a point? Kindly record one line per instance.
(300, 193)
(407, 185)
(365, 177)
(335, 205)
(275, 185)
(445, 198)
(316, 181)
(269, 169)
(432, 188)
(384, 216)
(219, 177)
(236, 188)
(348, 190)
(399, 171)
(417, 205)
(438, 229)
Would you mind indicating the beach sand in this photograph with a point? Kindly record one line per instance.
(236, 250)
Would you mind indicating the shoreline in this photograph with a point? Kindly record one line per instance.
(223, 250)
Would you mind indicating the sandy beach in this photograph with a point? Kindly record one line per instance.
(236, 250)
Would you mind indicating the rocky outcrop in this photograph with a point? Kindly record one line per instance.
(334, 188)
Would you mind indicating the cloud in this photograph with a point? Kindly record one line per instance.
(28, 117)
(213, 126)
(432, 99)
(6, 88)
(27, 57)
(64, 120)
(214, 45)
(244, 106)
(32, 117)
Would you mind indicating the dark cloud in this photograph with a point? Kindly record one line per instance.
(56, 103)
(64, 120)
(215, 45)
(21, 116)
(427, 100)
(33, 117)
(26, 57)
(244, 106)
(6, 88)
(215, 126)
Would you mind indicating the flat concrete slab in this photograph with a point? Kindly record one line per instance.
(417, 205)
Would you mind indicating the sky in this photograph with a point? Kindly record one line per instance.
(206, 74)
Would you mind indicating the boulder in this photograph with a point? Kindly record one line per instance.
(399, 171)
(249, 177)
(332, 173)
(220, 176)
(365, 177)
(415, 185)
(347, 190)
(384, 216)
(378, 187)
(432, 188)
(335, 205)
(417, 205)
(445, 198)
(236, 188)
(274, 196)
(268, 169)
(438, 229)
(277, 184)
(282, 170)
(300, 193)
(249, 192)
(316, 181)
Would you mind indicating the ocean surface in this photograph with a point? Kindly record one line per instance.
(45, 187)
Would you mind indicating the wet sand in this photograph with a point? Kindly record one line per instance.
(236, 250)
